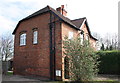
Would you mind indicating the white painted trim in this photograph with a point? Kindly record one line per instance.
(83, 23)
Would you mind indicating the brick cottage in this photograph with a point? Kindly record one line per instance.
(38, 39)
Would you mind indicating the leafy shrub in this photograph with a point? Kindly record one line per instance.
(110, 62)
(82, 60)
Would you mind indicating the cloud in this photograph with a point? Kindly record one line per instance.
(6, 25)
(98, 13)
(11, 11)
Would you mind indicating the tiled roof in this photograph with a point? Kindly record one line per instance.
(65, 19)
(74, 23)
(44, 10)
(78, 22)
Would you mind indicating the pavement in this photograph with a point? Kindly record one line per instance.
(23, 79)
(31, 79)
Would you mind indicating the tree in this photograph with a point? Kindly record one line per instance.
(82, 60)
(111, 47)
(102, 47)
(107, 48)
(119, 42)
(6, 49)
(115, 41)
(109, 40)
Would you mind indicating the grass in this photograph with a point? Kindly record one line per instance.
(9, 73)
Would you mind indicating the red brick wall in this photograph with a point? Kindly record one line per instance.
(33, 59)
(91, 40)
(65, 32)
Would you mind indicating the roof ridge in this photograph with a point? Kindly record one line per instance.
(47, 9)
(35, 13)
(62, 17)
(79, 18)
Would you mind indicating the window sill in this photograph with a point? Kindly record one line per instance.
(22, 45)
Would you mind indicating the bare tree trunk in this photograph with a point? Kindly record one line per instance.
(6, 50)
(4, 67)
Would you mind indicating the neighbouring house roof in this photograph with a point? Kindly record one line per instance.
(79, 22)
(74, 23)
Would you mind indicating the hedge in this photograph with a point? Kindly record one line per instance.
(110, 62)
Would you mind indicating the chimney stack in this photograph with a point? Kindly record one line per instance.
(61, 10)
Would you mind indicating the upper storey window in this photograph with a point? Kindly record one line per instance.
(81, 38)
(35, 37)
(23, 39)
(70, 36)
(87, 37)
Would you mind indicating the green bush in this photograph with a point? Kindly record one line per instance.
(81, 59)
(110, 62)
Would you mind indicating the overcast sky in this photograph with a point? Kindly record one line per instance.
(102, 15)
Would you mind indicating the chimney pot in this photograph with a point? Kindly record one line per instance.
(62, 6)
(61, 10)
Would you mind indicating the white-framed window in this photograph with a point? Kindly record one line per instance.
(58, 72)
(81, 38)
(35, 37)
(87, 37)
(70, 35)
(94, 44)
(23, 39)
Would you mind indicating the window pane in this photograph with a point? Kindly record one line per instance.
(87, 38)
(94, 45)
(20, 39)
(81, 38)
(35, 35)
(23, 39)
(70, 35)
(24, 42)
